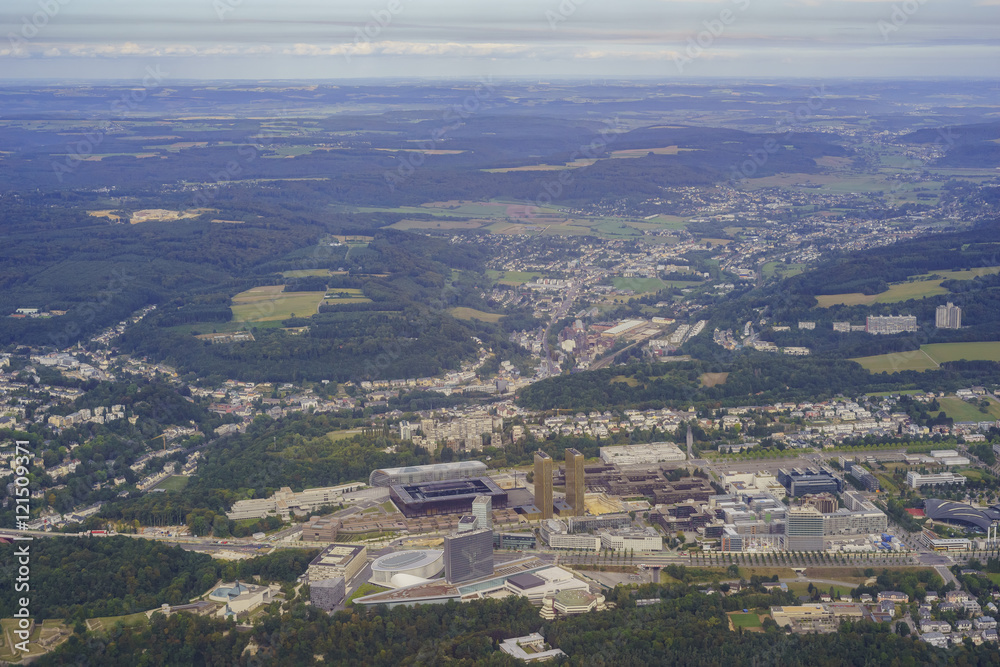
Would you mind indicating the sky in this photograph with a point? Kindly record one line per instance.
(72, 40)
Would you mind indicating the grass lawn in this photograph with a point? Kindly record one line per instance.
(782, 572)
(639, 285)
(916, 360)
(343, 435)
(271, 303)
(962, 411)
(464, 313)
(782, 270)
(106, 623)
(305, 273)
(365, 589)
(7, 653)
(741, 620)
(173, 483)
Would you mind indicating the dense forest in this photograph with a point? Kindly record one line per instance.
(765, 377)
(79, 578)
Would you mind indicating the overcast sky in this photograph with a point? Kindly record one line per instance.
(547, 39)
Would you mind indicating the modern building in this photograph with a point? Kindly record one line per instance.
(586, 524)
(338, 560)
(569, 603)
(482, 509)
(454, 496)
(321, 529)
(804, 529)
(648, 454)
(555, 533)
(405, 568)
(864, 477)
(468, 555)
(630, 539)
(575, 483)
(949, 511)
(530, 648)
(543, 483)
(948, 317)
(327, 593)
(519, 541)
(731, 540)
(285, 502)
(799, 482)
(536, 585)
(916, 480)
(240, 598)
(824, 502)
(434, 472)
(890, 324)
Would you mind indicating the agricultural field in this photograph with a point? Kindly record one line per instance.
(713, 379)
(346, 434)
(272, 304)
(782, 270)
(306, 273)
(919, 287)
(930, 356)
(463, 313)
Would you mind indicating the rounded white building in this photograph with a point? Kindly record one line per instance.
(403, 568)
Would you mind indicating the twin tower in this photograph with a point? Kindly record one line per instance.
(574, 482)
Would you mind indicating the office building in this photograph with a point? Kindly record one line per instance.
(338, 560)
(575, 481)
(804, 529)
(453, 496)
(647, 454)
(468, 555)
(482, 509)
(824, 502)
(809, 481)
(890, 324)
(915, 480)
(556, 535)
(632, 539)
(948, 317)
(543, 484)
(434, 472)
(326, 594)
(321, 529)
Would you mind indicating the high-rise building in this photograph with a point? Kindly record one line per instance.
(482, 509)
(574, 481)
(948, 317)
(890, 324)
(468, 555)
(543, 483)
(804, 529)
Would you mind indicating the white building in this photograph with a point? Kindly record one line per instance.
(654, 452)
(915, 480)
(632, 540)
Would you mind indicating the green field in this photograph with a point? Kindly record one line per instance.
(745, 620)
(649, 285)
(921, 286)
(343, 435)
(930, 356)
(173, 483)
(464, 313)
(962, 411)
(7, 654)
(365, 589)
(782, 270)
(271, 304)
(513, 278)
(107, 623)
(802, 588)
(305, 273)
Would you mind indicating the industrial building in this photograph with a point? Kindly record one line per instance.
(468, 555)
(648, 454)
(434, 472)
(454, 496)
(543, 484)
(405, 568)
(575, 482)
